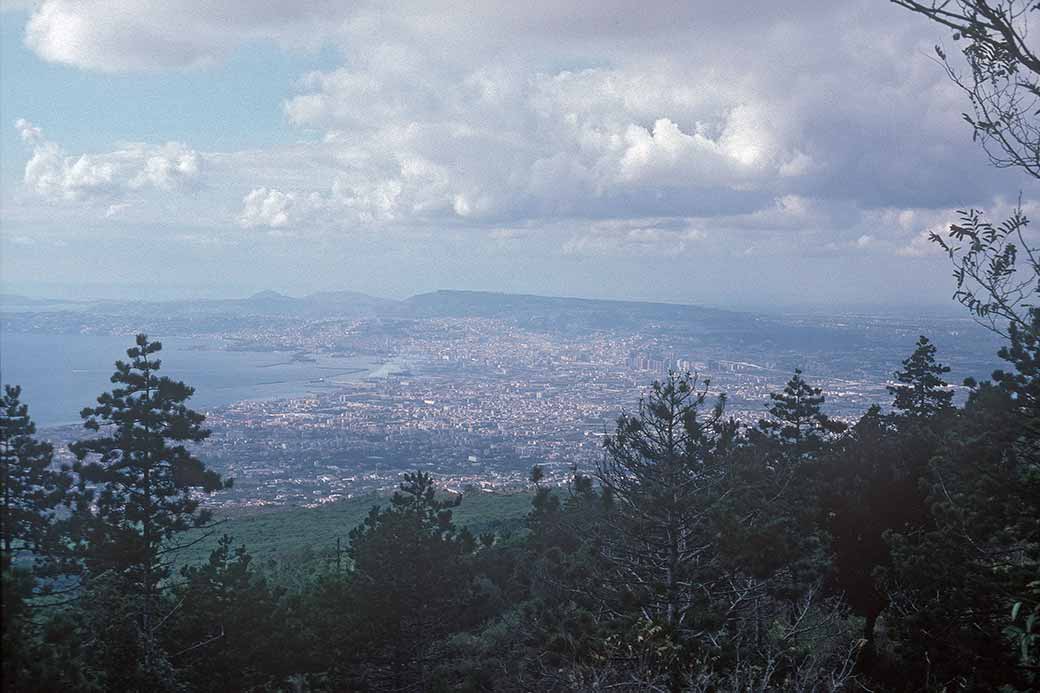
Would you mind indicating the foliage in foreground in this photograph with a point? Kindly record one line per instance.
(898, 554)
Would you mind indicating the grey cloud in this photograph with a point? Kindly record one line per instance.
(777, 125)
(695, 113)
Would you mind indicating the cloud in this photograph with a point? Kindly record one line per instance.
(124, 35)
(263, 207)
(356, 200)
(54, 175)
(680, 119)
(647, 237)
(495, 145)
(30, 133)
(921, 244)
(166, 167)
(665, 153)
(816, 127)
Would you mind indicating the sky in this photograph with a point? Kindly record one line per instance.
(730, 154)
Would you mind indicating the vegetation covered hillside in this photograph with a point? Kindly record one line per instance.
(306, 537)
(795, 554)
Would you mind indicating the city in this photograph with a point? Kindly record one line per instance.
(477, 400)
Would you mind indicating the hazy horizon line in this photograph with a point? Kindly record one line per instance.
(90, 293)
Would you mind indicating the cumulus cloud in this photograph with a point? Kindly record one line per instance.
(706, 128)
(812, 125)
(495, 144)
(414, 191)
(165, 167)
(263, 207)
(666, 153)
(53, 174)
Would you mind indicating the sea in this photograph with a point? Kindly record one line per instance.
(61, 374)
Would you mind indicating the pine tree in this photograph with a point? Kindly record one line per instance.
(966, 581)
(145, 478)
(1022, 383)
(409, 584)
(32, 488)
(922, 392)
(798, 426)
(33, 492)
(871, 485)
(782, 498)
(770, 531)
(228, 633)
(663, 473)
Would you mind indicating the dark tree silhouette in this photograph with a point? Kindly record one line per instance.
(409, 584)
(996, 270)
(146, 479)
(32, 488)
(921, 392)
(663, 473)
(798, 426)
(871, 485)
(228, 632)
(32, 493)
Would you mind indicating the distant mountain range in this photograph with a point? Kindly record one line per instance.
(271, 303)
(562, 315)
(445, 303)
(264, 303)
(8, 301)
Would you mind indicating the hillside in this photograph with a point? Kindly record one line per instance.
(308, 535)
(559, 312)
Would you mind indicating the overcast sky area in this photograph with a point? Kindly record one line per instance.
(730, 154)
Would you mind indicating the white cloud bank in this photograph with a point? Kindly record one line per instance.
(808, 125)
(57, 176)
